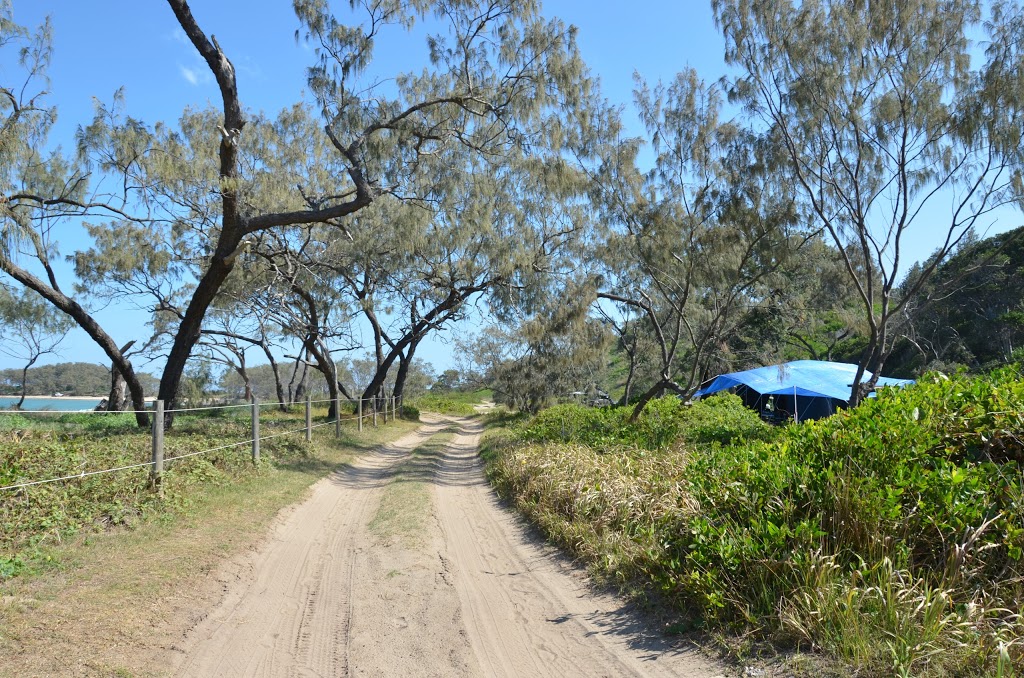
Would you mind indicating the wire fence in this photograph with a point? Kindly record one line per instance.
(389, 407)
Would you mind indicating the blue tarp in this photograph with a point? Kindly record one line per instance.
(807, 388)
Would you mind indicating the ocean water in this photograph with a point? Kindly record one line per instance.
(54, 404)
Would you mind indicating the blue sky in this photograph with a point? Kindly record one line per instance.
(103, 45)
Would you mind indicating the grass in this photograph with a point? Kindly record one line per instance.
(97, 600)
(888, 540)
(405, 502)
(458, 403)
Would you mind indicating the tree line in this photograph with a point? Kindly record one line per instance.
(499, 180)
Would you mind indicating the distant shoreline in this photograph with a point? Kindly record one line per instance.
(69, 397)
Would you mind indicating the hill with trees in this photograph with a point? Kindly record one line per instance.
(79, 379)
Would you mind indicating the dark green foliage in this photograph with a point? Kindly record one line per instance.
(972, 310)
(888, 533)
(664, 422)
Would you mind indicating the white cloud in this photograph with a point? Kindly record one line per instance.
(178, 35)
(195, 76)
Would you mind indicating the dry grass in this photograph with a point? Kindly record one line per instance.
(112, 604)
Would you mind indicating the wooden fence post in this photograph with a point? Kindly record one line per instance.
(157, 472)
(255, 431)
(360, 414)
(375, 401)
(337, 415)
(309, 419)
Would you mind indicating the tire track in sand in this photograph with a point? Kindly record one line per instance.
(476, 594)
(289, 613)
(528, 611)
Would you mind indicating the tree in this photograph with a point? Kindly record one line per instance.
(556, 352)
(972, 309)
(694, 242)
(29, 329)
(496, 74)
(500, 67)
(40, 190)
(885, 126)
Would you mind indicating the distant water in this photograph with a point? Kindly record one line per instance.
(55, 404)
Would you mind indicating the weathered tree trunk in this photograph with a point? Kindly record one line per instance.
(629, 380)
(278, 385)
(117, 399)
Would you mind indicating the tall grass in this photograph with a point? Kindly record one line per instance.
(889, 536)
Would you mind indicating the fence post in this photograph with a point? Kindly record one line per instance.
(385, 409)
(255, 431)
(157, 472)
(309, 419)
(375, 401)
(337, 416)
(360, 414)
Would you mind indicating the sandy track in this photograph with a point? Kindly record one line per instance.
(473, 595)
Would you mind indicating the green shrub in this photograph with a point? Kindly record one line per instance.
(50, 446)
(890, 535)
(665, 421)
(458, 403)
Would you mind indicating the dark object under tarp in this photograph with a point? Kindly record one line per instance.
(802, 389)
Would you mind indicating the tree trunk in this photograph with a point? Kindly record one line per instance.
(629, 380)
(404, 363)
(24, 383)
(191, 324)
(278, 385)
(117, 399)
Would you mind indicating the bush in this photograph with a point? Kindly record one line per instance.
(458, 403)
(664, 422)
(890, 535)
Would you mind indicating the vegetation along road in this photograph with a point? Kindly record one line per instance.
(404, 564)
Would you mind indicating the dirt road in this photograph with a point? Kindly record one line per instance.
(405, 565)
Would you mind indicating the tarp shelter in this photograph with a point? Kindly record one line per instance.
(802, 389)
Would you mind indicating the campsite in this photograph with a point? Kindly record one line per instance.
(512, 338)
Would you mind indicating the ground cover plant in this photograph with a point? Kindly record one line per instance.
(888, 538)
(34, 519)
(457, 403)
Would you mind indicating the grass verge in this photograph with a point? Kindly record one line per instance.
(886, 540)
(405, 502)
(111, 599)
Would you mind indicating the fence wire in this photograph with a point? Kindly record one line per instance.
(250, 441)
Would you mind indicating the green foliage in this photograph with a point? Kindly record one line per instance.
(458, 403)
(67, 378)
(972, 308)
(890, 535)
(663, 422)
